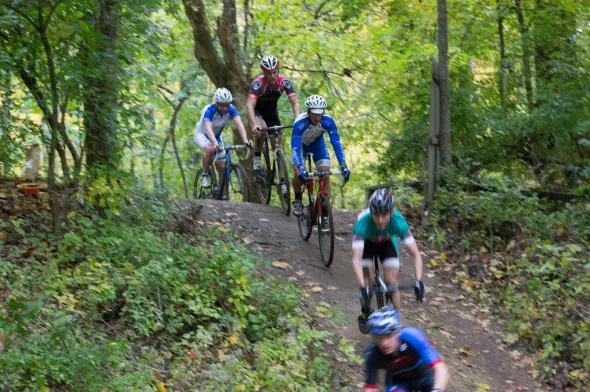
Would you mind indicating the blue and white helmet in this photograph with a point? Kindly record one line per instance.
(384, 321)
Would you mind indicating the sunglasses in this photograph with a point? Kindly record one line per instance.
(223, 105)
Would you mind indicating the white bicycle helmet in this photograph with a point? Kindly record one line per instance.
(269, 63)
(316, 104)
(223, 95)
(384, 321)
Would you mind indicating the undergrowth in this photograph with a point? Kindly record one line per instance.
(128, 303)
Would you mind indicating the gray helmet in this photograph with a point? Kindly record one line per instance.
(381, 201)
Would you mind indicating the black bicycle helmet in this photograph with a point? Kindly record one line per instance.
(381, 201)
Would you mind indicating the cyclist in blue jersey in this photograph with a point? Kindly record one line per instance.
(410, 361)
(376, 233)
(214, 118)
(308, 136)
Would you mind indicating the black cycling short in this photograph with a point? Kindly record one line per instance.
(384, 250)
(271, 118)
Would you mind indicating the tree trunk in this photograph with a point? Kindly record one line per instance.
(162, 158)
(526, 54)
(445, 100)
(101, 87)
(229, 70)
(171, 130)
(502, 69)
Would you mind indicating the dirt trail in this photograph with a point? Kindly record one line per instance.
(468, 341)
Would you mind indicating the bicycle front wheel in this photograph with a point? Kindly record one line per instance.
(283, 182)
(204, 193)
(238, 187)
(326, 233)
(304, 222)
(263, 177)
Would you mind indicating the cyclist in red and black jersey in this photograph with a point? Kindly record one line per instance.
(264, 93)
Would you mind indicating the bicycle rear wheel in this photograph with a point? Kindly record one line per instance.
(204, 193)
(304, 222)
(237, 185)
(263, 177)
(283, 183)
(326, 232)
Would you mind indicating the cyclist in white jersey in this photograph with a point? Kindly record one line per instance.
(208, 131)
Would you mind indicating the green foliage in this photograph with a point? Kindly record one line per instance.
(115, 298)
(546, 303)
(542, 286)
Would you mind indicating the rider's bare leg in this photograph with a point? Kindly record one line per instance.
(259, 140)
(326, 179)
(391, 274)
(208, 152)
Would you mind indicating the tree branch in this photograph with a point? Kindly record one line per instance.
(52, 10)
(204, 47)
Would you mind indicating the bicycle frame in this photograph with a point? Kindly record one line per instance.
(321, 192)
(225, 174)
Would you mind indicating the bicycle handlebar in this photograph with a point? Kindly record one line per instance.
(275, 130)
(239, 147)
(324, 174)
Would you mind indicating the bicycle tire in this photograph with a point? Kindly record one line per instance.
(282, 175)
(198, 190)
(238, 182)
(263, 178)
(326, 235)
(304, 222)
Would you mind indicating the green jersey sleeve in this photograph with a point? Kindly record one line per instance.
(401, 228)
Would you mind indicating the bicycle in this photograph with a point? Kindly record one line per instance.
(318, 209)
(277, 174)
(233, 182)
(378, 287)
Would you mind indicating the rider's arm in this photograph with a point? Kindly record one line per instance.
(335, 139)
(428, 354)
(371, 368)
(250, 104)
(241, 129)
(441, 375)
(295, 105)
(357, 256)
(358, 244)
(298, 129)
(209, 131)
(404, 232)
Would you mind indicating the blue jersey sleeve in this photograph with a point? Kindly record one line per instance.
(233, 112)
(298, 129)
(330, 127)
(209, 113)
(419, 342)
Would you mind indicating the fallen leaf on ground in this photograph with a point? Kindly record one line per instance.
(316, 289)
(292, 278)
(465, 351)
(263, 220)
(300, 272)
(515, 354)
(332, 288)
(280, 264)
(484, 387)
(511, 338)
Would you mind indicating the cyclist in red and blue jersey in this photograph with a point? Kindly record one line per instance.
(263, 96)
(308, 136)
(207, 136)
(410, 361)
(376, 233)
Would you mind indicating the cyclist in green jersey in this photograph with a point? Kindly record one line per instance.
(376, 233)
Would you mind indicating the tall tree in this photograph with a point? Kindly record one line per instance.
(101, 88)
(443, 76)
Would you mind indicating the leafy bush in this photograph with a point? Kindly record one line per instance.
(118, 303)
